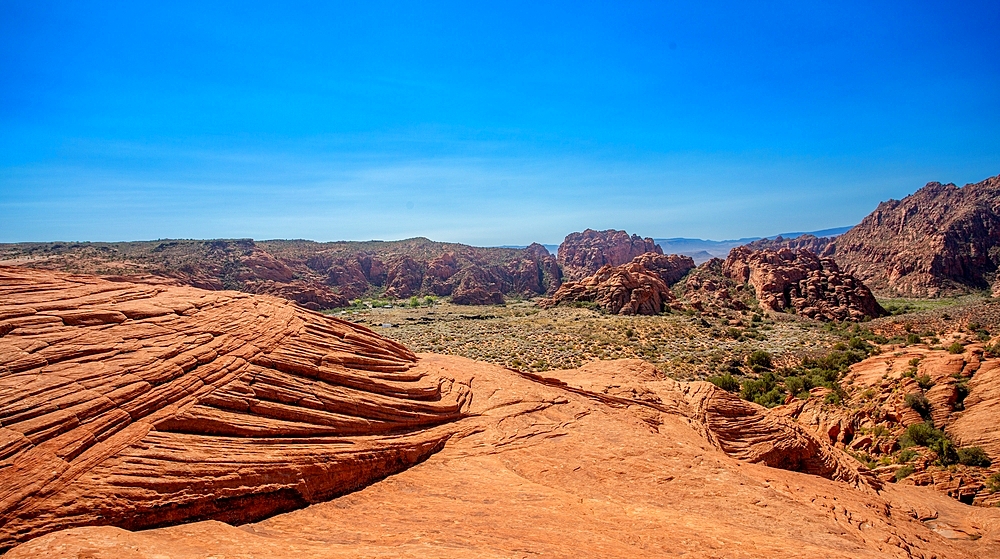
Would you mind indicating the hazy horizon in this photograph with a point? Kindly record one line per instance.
(488, 124)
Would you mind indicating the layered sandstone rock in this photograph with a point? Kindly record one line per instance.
(582, 254)
(814, 287)
(139, 406)
(876, 414)
(938, 240)
(611, 459)
(639, 287)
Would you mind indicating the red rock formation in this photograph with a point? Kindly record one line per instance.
(316, 275)
(139, 405)
(475, 288)
(800, 280)
(939, 239)
(707, 288)
(639, 287)
(582, 254)
(818, 245)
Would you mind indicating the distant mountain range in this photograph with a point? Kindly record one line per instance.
(702, 250)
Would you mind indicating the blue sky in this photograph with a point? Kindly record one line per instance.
(488, 124)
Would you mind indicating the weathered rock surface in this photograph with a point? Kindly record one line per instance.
(640, 287)
(611, 459)
(875, 414)
(708, 289)
(940, 239)
(316, 275)
(141, 406)
(812, 286)
(138, 406)
(582, 254)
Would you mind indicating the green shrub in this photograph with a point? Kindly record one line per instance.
(956, 348)
(914, 362)
(924, 381)
(726, 382)
(904, 472)
(912, 339)
(759, 360)
(918, 403)
(905, 456)
(920, 434)
(992, 350)
(798, 385)
(945, 450)
(974, 456)
(763, 390)
(993, 483)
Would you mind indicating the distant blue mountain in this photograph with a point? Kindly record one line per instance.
(702, 250)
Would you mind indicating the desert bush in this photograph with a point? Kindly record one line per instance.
(912, 339)
(798, 385)
(993, 483)
(974, 456)
(914, 362)
(956, 348)
(726, 382)
(918, 403)
(904, 472)
(920, 434)
(905, 455)
(759, 360)
(924, 381)
(763, 390)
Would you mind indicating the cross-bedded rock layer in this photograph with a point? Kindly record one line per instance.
(139, 406)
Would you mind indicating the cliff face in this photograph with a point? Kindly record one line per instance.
(940, 239)
(582, 254)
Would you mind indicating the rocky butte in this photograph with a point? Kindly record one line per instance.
(227, 424)
(941, 239)
(583, 254)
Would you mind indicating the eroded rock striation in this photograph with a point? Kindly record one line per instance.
(640, 287)
(140, 406)
(938, 240)
(814, 287)
(583, 254)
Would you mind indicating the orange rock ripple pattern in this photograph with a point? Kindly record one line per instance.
(140, 405)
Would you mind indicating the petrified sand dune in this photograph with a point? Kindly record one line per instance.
(135, 406)
(139, 405)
